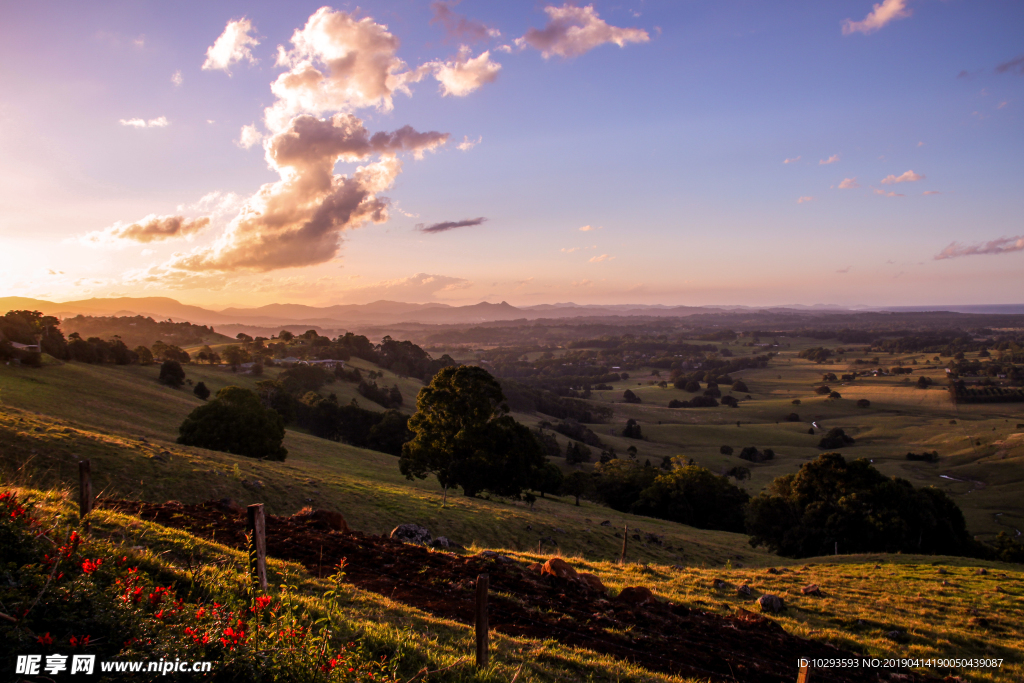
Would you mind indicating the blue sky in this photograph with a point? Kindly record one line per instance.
(671, 147)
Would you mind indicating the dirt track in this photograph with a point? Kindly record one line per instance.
(745, 648)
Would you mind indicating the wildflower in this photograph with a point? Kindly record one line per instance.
(45, 639)
(261, 604)
(120, 563)
(79, 641)
(159, 615)
(200, 613)
(89, 566)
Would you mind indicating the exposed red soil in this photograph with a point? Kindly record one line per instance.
(660, 636)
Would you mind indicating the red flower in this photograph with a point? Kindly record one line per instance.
(89, 566)
(261, 603)
(159, 615)
(79, 641)
(200, 613)
(45, 640)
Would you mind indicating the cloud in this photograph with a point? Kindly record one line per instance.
(582, 283)
(417, 288)
(152, 228)
(457, 26)
(177, 78)
(906, 177)
(886, 194)
(1014, 65)
(569, 251)
(1003, 245)
(844, 270)
(159, 122)
(792, 161)
(601, 258)
(831, 160)
(882, 14)
(249, 136)
(573, 31)
(233, 45)
(928, 192)
(1002, 104)
(849, 184)
(588, 228)
(468, 144)
(464, 74)
(450, 225)
(804, 200)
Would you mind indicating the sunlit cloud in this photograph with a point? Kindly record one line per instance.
(249, 136)
(457, 26)
(588, 228)
(906, 177)
(882, 14)
(883, 193)
(601, 258)
(464, 74)
(450, 225)
(159, 122)
(417, 288)
(468, 144)
(849, 184)
(152, 228)
(804, 200)
(792, 160)
(233, 45)
(177, 78)
(928, 192)
(1003, 245)
(831, 160)
(573, 31)
(569, 251)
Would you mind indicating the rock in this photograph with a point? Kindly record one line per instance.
(228, 505)
(497, 557)
(743, 590)
(254, 484)
(559, 568)
(535, 567)
(812, 589)
(946, 583)
(158, 457)
(558, 531)
(328, 518)
(636, 595)
(977, 621)
(719, 584)
(894, 635)
(411, 533)
(441, 542)
(771, 604)
(942, 571)
(593, 583)
(878, 566)
(771, 570)
(606, 523)
(981, 572)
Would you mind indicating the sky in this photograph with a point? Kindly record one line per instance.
(645, 151)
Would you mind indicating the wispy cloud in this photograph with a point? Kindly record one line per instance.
(582, 283)
(791, 161)
(601, 258)
(588, 228)
(569, 251)
(1003, 245)
(882, 14)
(831, 160)
(927, 192)
(468, 144)
(804, 200)
(457, 26)
(572, 31)
(152, 228)
(450, 225)
(233, 45)
(844, 270)
(849, 184)
(177, 78)
(159, 122)
(886, 194)
(1014, 65)
(906, 177)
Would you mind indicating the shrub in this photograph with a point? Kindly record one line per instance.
(730, 401)
(751, 454)
(863, 403)
(172, 374)
(201, 391)
(796, 401)
(822, 390)
(925, 457)
(740, 387)
(235, 422)
(792, 417)
(629, 397)
(834, 395)
(632, 429)
(725, 450)
(835, 438)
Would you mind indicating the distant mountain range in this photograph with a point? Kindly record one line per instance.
(395, 312)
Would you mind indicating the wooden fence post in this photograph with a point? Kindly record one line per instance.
(804, 675)
(84, 490)
(625, 539)
(481, 621)
(258, 556)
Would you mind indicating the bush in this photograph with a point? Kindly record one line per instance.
(730, 401)
(725, 450)
(740, 387)
(796, 401)
(834, 395)
(201, 391)
(632, 429)
(235, 422)
(822, 390)
(863, 403)
(172, 374)
(629, 397)
(792, 417)
(835, 438)
(751, 454)
(925, 457)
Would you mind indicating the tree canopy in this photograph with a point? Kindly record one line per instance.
(235, 422)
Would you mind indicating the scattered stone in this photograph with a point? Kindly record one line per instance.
(678, 566)
(771, 570)
(981, 572)
(895, 635)
(411, 533)
(228, 505)
(535, 567)
(977, 621)
(942, 571)
(812, 589)
(878, 566)
(558, 531)
(254, 484)
(771, 604)
(593, 583)
(498, 557)
(328, 518)
(636, 595)
(442, 542)
(68, 430)
(606, 523)
(719, 584)
(158, 457)
(559, 568)
(946, 583)
(744, 590)
(529, 527)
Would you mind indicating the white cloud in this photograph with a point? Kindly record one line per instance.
(572, 31)
(249, 136)
(601, 258)
(831, 160)
(177, 78)
(791, 161)
(849, 184)
(588, 228)
(152, 228)
(464, 74)
(468, 144)
(159, 122)
(907, 177)
(804, 200)
(233, 45)
(1003, 245)
(882, 14)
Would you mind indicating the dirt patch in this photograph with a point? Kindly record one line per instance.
(660, 636)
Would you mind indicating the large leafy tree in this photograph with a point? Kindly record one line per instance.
(235, 422)
(465, 437)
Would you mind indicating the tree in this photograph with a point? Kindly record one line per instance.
(235, 422)
(741, 387)
(285, 336)
(632, 429)
(172, 374)
(201, 391)
(725, 450)
(730, 401)
(629, 397)
(577, 484)
(863, 403)
(576, 452)
(464, 436)
(694, 496)
(835, 438)
(144, 354)
(547, 479)
(822, 390)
